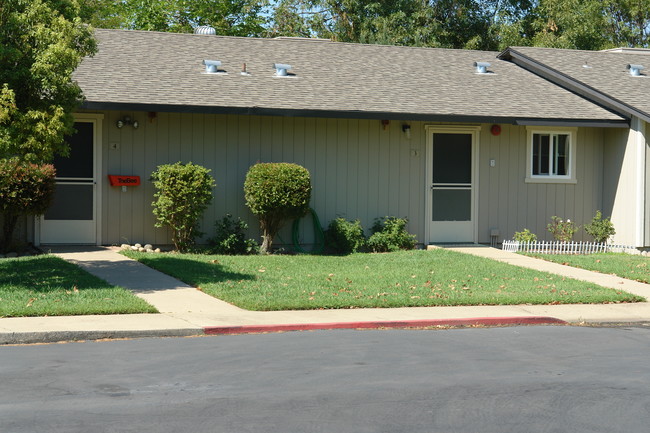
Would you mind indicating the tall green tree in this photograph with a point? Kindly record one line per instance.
(581, 24)
(470, 24)
(228, 17)
(41, 44)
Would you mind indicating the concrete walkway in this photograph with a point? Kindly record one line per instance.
(187, 311)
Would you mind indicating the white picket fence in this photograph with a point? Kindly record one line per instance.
(544, 247)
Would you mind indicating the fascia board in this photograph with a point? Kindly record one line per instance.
(261, 111)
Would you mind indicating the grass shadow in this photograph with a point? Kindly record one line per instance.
(46, 274)
(193, 272)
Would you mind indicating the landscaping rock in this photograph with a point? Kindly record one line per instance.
(125, 246)
(134, 248)
(148, 247)
(148, 250)
(157, 250)
(141, 250)
(138, 245)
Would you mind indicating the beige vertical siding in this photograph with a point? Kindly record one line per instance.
(509, 204)
(359, 170)
(621, 183)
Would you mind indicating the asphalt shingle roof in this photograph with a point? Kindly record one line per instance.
(165, 69)
(601, 71)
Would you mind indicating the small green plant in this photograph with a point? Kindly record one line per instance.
(561, 230)
(525, 236)
(600, 229)
(183, 193)
(276, 192)
(344, 237)
(230, 237)
(390, 234)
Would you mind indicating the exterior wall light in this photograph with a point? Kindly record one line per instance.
(406, 129)
(126, 120)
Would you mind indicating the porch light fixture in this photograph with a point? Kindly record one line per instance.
(635, 70)
(406, 129)
(126, 120)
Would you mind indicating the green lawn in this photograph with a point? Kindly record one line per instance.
(409, 278)
(624, 265)
(50, 286)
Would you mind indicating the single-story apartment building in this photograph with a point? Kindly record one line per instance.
(470, 146)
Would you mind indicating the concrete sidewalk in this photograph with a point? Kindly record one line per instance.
(187, 311)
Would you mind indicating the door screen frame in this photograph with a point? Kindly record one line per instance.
(96, 119)
(474, 131)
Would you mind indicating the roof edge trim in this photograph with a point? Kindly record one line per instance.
(370, 115)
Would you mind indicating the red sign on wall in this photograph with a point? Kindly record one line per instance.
(120, 180)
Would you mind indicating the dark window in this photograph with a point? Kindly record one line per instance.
(550, 154)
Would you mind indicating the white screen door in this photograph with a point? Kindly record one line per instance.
(72, 217)
(451, 187)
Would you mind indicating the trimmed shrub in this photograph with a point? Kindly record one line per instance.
(389, 234)
(183, 193)
(600, 229)
(230, 238)
(344, 237)
(25, 189)
(561, 230)
(275, 193)
(525, 236)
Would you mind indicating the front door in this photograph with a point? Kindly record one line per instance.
(72, 218)
(451, 195)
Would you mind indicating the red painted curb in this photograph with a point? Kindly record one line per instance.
(486, 321)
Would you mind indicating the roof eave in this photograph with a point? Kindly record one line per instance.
(371, 115)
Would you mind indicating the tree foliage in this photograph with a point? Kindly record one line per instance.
(41, 44)
(228, 17)
(469, 24)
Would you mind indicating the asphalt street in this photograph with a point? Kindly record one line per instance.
(514, 379)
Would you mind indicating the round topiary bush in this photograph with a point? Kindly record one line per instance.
(275, 193)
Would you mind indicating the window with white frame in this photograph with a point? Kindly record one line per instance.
(551, 156)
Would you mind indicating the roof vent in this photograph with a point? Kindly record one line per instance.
(635, 70)
(481, 67)
(211, 66)
(204, 30)
(281, 69)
